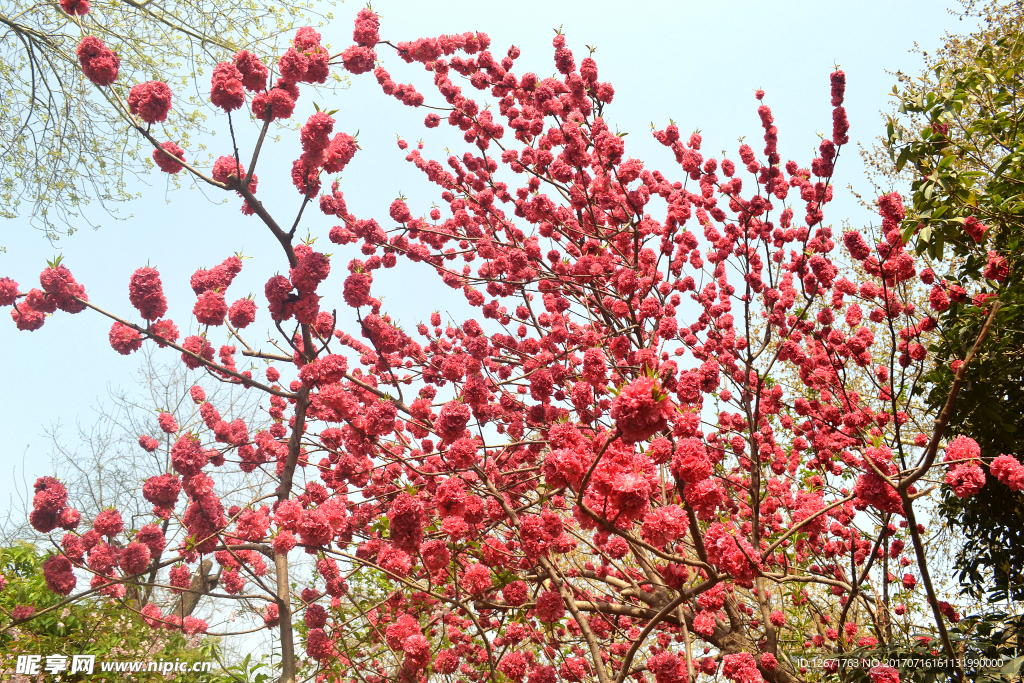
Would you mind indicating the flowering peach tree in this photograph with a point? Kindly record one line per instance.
(679, 440)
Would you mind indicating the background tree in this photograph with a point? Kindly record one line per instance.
(959, 141)
(96, 627)
(61, 144)
(103, 467)
(100, 462)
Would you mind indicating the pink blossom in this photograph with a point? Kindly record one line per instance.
(550, 606)
(1009, 471)
(641, 410)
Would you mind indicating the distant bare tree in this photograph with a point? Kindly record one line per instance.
(102, 464)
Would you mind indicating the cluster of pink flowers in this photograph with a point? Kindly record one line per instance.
(99, 64)
(146, 293)
(59, 291)
(75, 7)
(169, 157)
(965, 475)
(150, 101)
(49, 507)
(741, 668)
(59, 575)
(641, 410)
(1009, 471)
(883, 673)
(321, 153)
(162, 491)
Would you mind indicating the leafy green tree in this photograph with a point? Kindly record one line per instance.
(103, 466)
(91, 627)
(61, 146)
(960, 138)
(988, 645)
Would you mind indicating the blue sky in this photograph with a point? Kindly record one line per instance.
(697, 63)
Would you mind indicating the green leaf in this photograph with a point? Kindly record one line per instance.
(908, 232)
(901, 160)
(1011, 668)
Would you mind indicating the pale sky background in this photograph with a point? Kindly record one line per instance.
(698, 63)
